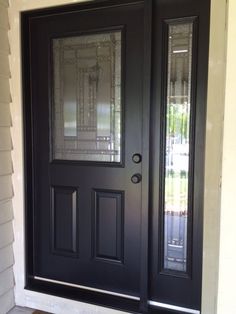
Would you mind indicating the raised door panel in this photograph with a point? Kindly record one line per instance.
(64, 221)
(109, 225)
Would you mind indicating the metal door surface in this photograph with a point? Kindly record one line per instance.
(86, 71)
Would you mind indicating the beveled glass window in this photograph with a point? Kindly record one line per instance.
(177, 143)
(86, 115)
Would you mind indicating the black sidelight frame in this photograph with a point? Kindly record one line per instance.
(166, 24)
(157, 16)
(184, 289)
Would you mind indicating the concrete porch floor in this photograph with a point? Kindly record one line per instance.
(24, 310)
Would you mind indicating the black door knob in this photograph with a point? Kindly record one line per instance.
(136, 178)
(137, 158)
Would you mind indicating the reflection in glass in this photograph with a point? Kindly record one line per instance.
(178, 110)
(87, 110)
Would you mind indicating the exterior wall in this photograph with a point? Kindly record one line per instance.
(227, 270)
(6, 191)
(213, 155)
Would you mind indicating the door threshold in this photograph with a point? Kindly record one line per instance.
(101, 297)
(173, 307)
(88, 288)
(82, 295)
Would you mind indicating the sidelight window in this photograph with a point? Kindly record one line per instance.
(178, 111)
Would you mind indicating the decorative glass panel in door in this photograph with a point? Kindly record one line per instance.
(87, 97)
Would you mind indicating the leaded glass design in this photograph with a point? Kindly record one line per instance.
(86, 115)
(178, 110)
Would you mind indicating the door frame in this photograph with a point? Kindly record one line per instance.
(144, 242)
(92, 296)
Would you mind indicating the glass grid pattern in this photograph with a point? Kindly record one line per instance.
(178, 112)
(86, 115)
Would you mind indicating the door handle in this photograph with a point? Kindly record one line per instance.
(136, 178)
(137, 158)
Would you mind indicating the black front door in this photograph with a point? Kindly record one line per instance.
(114, 108)
(87, 147)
